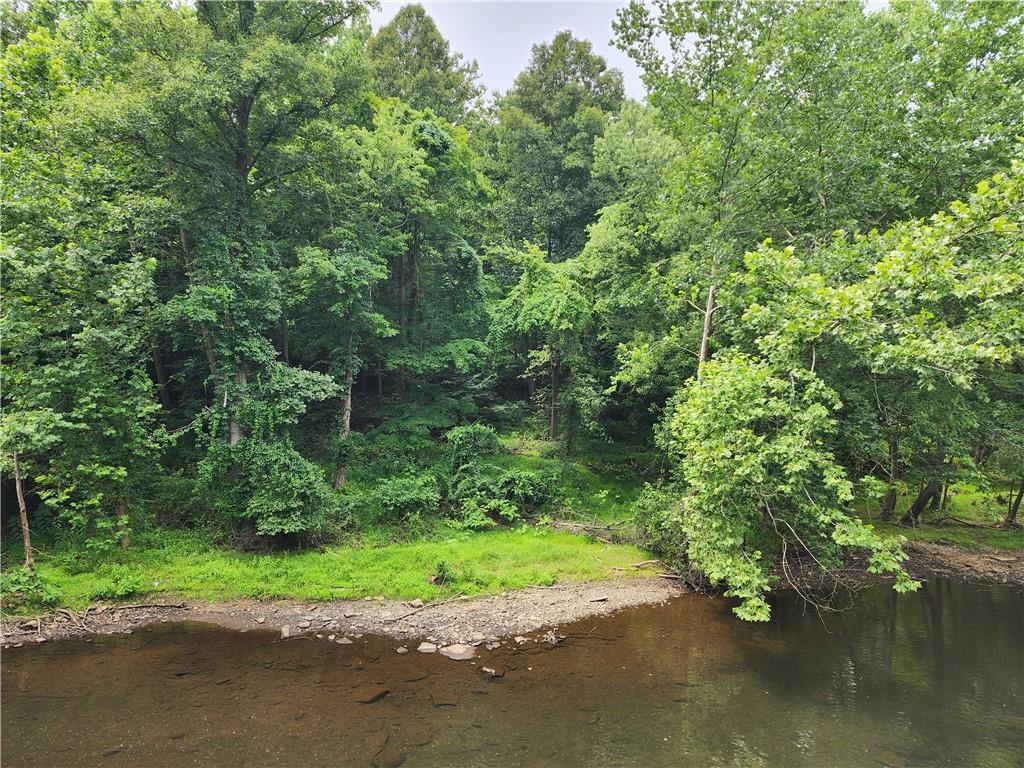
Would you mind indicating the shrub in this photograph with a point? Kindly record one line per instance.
(22, 588)
(122, 581)
(267, 484)
(467, 443)
(400, 498)
(526, 489)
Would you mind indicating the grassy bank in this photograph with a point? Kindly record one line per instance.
(980, 511)
(189, 565)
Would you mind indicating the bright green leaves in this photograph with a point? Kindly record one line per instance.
(760, 486)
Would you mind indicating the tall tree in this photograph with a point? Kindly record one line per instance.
(543, 145)
(413, 62)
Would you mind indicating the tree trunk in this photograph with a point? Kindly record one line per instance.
(553, 420)
(705, 335)
(889, 502)
(211, 360)
(235, 429)
(1011, 513)
(284, 340)
(204, 331)
(26, 536)
(346, 416)
(402, 319)
(162, 386)
(928, 492)
(122, 516)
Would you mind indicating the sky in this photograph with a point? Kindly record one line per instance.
(499, 34)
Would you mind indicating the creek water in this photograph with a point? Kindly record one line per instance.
(930, 679)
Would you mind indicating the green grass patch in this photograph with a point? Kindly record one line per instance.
(959, 535)
(964, 502)
(189, 565)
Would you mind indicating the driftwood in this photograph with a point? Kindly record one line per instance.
(459, 596)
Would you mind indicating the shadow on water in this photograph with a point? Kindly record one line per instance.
(931, 679)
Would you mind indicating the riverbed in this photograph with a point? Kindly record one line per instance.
(934, 678)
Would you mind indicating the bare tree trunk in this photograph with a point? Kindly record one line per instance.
(26, 536)
(931, 489)
(162, 386)
(889, 502)
(705, 335)
(1011, 513)
(553, 420)
(346, 416)
(234, 428)
(380, 384)
(122, 515)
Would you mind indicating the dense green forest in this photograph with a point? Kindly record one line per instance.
(278, 278)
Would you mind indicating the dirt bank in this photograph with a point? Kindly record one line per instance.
(462, 619)
(993, 566)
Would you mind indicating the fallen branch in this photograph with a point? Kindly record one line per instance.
(670, 576)
(148, 605)
(642, 563)
(959, 521)
(459, 596)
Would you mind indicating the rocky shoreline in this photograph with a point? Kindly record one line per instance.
(458, 620)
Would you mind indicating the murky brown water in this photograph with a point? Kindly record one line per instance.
(931, 679)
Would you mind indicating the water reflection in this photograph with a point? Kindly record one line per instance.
(931, 679)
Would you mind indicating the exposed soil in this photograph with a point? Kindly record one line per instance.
(997, 566)
(463, 619)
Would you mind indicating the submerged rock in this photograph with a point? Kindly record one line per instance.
(458, 652)
(389, 757)
(343, 641)
(401, 649)
(369, 694)
(286, 632)
(426, 648)
(444, 699)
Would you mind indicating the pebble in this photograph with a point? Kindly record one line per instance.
(343, 641)
(304, 624)
(401, 649)
(427, 648)
(331, 637)
(286, 632)
(260, 619)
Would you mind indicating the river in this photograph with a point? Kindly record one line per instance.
(934, 678)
